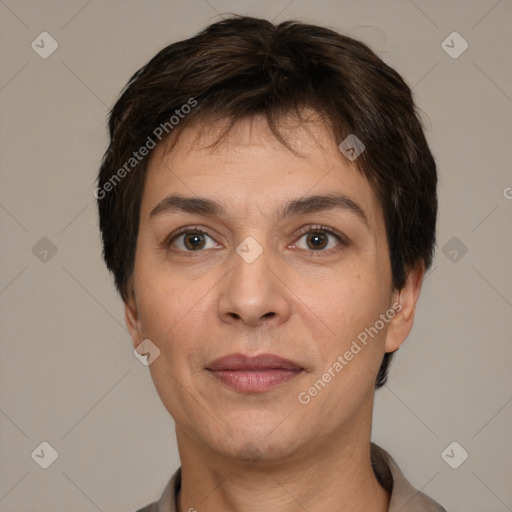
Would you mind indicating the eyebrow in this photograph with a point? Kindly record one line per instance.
(296, 207)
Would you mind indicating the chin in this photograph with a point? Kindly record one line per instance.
(257, 446)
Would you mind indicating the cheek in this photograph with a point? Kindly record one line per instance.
(173, 312)
(350, 307)
(161, 295)
(349, 300)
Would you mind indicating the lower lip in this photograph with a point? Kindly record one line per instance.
(253, 381)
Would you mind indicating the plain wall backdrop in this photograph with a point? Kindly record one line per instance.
(68, 374)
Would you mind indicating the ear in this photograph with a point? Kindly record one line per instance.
(131, 317)
(404, 305)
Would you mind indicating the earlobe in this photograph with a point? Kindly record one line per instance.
(405, 299)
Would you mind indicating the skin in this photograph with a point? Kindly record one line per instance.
(267, 451)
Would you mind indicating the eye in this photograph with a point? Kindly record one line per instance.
(317, 238)
(190, 240)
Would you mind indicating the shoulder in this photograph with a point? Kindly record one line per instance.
(167, 501)
(152, 507)
(404, 497)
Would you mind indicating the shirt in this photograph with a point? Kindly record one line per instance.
(404, 497)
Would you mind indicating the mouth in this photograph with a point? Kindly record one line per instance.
(253, 374)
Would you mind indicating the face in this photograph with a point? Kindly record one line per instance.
(268, 271)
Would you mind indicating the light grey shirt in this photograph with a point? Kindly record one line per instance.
(404, 497)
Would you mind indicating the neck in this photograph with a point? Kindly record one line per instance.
(335, 474)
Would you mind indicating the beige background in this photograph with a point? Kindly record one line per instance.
(68, 374)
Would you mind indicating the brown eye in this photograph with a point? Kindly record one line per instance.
(191, 241)
(194, 241)
(317, 238)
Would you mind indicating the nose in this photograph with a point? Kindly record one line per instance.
(255, 293)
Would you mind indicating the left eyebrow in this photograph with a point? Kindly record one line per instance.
(296, 207)
(320, 203)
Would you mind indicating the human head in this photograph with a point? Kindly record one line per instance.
(242, 67)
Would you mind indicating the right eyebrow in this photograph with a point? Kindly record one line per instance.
(199, 205)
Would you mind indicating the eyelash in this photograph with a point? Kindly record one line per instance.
(307, 230)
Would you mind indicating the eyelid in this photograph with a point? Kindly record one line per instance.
(318, 228)
(186, 229)
(303, 231)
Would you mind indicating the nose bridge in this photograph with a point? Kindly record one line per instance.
(252, 291)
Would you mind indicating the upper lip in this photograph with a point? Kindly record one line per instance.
(259, 362)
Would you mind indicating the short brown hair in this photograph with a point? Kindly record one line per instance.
(243, 66)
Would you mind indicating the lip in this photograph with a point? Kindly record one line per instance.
(238, 362)
(253, 374)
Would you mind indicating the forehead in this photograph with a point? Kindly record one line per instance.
(251, 169)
